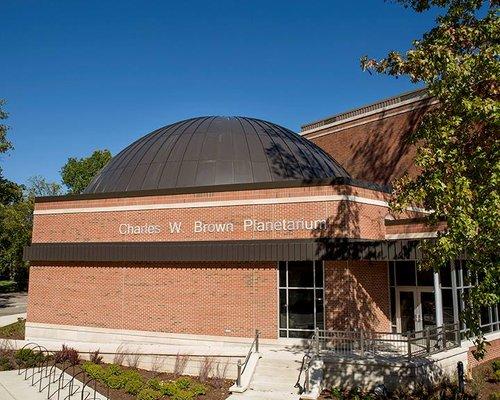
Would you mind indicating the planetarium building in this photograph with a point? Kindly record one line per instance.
(218, 226)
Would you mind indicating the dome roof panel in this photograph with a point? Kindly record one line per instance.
(208, 151)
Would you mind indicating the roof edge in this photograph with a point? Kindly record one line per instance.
(219, 188)
(360, 112)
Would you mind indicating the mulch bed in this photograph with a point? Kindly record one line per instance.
(215, 390)
(483, 382)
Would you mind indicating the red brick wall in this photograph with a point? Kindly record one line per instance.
(374, 148)
(345, 218)
(205, 298)
(493, 352)
(357, 295)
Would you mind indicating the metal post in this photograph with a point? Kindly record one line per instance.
(428, 340)
(307, 389)
(409, 344)
(438, 298)
(257, 334)
(362, 343)
(238, 376)
(460, 373)
(316, 340)
(443, 334)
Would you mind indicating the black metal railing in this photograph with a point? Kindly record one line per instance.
(254, 348)
(410, 344)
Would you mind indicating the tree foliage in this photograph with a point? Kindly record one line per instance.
(458, 148)
(77, 173)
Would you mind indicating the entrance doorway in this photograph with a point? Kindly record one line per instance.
(301, 305)
(415, 308)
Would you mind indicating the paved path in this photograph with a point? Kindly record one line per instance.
(13, 303)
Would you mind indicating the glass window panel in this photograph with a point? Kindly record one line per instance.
(318, 265)
(485, 315)
(428, 302)
(300, 334)
(300, 309)
(405, 273)
(447, 306)
(407, 309)
(445, 275)
(300, 274)
(282, 273)
(282, 308)
(392, 281)
(282, 333)
(425, 278)
(319, 309)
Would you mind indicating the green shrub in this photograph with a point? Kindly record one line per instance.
(133, 387)
(495, 365)
(169, 388)
(114, 381)
(131, 375)
(155, 384)
(94, 371)
(496, 375)
(494, 396)
(28, 357)
(149, 394)
(5, 363)
(199, 389)
(183, 395)
(113, 369)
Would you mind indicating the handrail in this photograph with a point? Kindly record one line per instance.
(413, 343)
(304, 367)
(241, 366)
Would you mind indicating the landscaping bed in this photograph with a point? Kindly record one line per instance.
(484, 384)
(153, 385)
(120, 382)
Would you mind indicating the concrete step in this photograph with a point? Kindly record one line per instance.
(256, 395)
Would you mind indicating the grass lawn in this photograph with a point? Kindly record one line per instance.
(7, 286)
(13, 331)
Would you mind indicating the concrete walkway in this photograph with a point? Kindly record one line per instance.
(13, 303)
(14, 387)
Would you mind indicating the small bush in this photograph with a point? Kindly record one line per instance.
(155, 384)
(494, 396)
(67, 354)
(96, 357)
(149, 394)
(183, 395)
(114, 369)
(119, 357)
(28, 358)
(114, 381)
(133, 387)
(5, 363)
(206, 368)
(181, 361)
(183, 383)
(93, 370)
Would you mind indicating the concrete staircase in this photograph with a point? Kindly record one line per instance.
(274, 377)
(14, 387)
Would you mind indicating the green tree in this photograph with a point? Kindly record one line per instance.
(458, 148)
(77, 173)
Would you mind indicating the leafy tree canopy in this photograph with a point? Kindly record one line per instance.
(458, 142)
(77, 173)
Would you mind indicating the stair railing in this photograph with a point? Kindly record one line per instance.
(241, 366)
(304, 367)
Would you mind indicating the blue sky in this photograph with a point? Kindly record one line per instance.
(86, 75)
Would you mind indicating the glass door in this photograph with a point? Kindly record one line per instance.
(415, 308)
(301, 298)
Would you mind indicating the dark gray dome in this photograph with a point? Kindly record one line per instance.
(210, 151)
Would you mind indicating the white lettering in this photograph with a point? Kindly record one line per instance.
(175, 227)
